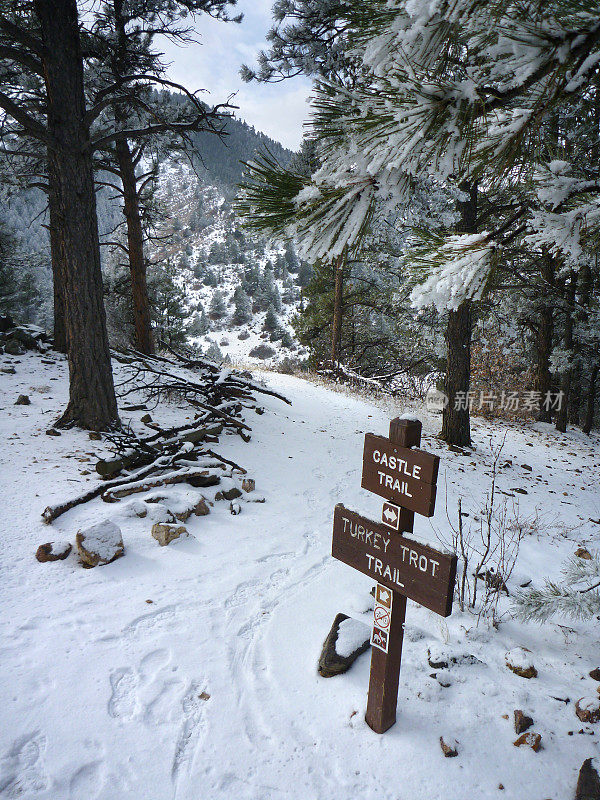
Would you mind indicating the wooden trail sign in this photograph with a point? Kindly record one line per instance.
(403, 568)
(406, 477)
(416, 570)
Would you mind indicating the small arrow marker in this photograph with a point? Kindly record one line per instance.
(390, 515)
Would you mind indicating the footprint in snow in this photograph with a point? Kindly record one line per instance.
(21, 769)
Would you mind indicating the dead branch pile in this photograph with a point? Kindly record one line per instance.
(174, 455)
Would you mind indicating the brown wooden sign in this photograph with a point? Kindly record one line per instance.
(406, 477)
(403, 568)
(403, 565)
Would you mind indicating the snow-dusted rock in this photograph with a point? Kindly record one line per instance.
(518, 660)
(588, 708)
(441, 657)
(588, 782)
(248, 484)
(53, 551)
(530, 739)
(164, 533)
(522, 721)
(135, 508)
(346, 640)
(100, 544)
(449, 748)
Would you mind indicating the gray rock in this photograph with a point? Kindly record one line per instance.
(332, 662)
(14, 348)
(588, 783)
(100, 544)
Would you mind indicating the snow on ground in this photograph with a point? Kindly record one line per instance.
(189, 671)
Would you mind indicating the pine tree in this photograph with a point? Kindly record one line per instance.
(271, 319)
(217, 308)
(198, 324)
(243, 307)
(577, 596)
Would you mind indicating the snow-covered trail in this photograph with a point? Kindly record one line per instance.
(210, 690)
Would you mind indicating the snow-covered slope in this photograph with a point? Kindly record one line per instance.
(189, 671)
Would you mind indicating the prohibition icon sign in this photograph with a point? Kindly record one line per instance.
(382, 617)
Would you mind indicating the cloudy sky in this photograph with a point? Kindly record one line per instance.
(213, 64)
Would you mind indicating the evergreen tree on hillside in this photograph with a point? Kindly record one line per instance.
(271, 322)
(198, 324)
(291, 259)
(243, 307)
(252, 279)
(217, 308)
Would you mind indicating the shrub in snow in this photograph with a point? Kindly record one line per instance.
(263, 351)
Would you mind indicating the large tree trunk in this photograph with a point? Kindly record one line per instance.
(590, 405)
(92, 402)
(135, 247)
(544, 332)
(456, 424)
(336, 330)
(59, 332)
(567, 375)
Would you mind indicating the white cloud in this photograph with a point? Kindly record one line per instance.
(214, 62)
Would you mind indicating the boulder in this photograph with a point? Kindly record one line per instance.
(228, 494)
(248, 484)
(201, 509)
(530, 739)
(100, 544)
(23, 400)
(588, 783)
(164, 533)
(449, 750)
(14, 348)
(522, 721)
(595, 674)
(588, 709)
(53, 551)
(518, 660)
(345, 642)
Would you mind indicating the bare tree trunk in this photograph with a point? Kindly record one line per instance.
(60, 331)
(590, 405)
(92, 402)
(456, 425)
(135, 247)
(567, 375)
(336, 331)
(544, 332)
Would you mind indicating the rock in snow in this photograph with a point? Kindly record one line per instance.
(588, 708)
(530, 739)
(53, 551)
(100, 544)
(346, 640)
(164, 533)
(522, 721)
(519, 661)
(588, 783)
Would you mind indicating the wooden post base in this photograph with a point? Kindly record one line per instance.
(385, 673)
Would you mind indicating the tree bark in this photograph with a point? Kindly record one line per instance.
(92, 402)
(567, 375)
(135, 247)
(336, 330)
(59, 332)
(544, 332)
(590, 404)
(456, 424)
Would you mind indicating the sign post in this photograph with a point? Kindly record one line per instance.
(403, 568)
